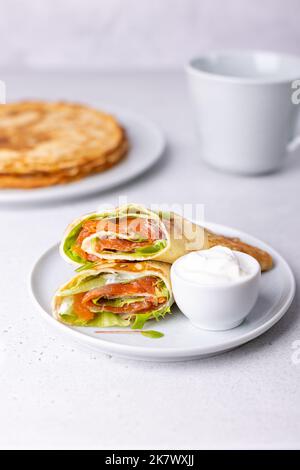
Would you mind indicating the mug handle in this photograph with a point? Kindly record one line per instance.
(294, 144)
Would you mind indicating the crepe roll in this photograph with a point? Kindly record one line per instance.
(133, 232)
(114, 293)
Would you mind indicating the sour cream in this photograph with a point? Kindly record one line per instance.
(216, 288)
(218, 265)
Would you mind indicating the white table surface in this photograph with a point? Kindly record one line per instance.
(55, 395)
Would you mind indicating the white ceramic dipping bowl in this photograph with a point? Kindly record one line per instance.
(220, 306)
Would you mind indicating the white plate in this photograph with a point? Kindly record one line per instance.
(182, 341)
(146, 146)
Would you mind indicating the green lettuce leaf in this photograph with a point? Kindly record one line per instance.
(86, 266)
(102, 320)
(152, 334)
(161, 289)
(141, 318)
(151, 249)
(84, 284)
(71, 239)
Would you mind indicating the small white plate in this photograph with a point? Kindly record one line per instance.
(147, 144)
(182, 341)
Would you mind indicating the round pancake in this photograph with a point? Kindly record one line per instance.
(37, 180)
(49, 137)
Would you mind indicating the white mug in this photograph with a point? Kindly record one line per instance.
(245, 115)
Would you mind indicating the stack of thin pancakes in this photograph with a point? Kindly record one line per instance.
(43, 144)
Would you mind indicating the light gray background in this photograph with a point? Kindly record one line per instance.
(118, 33)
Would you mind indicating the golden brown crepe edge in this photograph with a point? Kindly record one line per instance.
(39, 180)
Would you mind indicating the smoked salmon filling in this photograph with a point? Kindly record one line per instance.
(129, 233)
(115, 294)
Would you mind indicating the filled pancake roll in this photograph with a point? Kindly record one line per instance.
(115, 293)
(132, 232)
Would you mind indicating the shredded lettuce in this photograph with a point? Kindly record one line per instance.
(151, 249)
(141, 318)
(107, 319)
(102, 320)
(84, 284)
(87, 265)
(71, 239)
(161, 289)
